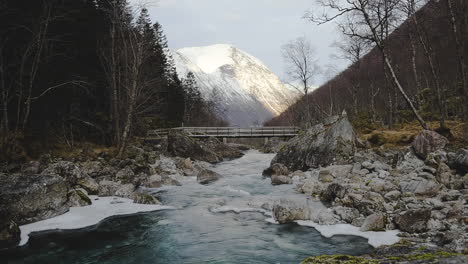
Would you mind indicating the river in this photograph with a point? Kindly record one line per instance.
(224, 222)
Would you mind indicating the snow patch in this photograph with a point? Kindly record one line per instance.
(80, 217)
(210, 58)
(375, 239)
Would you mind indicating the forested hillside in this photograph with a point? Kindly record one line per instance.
(88, 70)
(427, 53)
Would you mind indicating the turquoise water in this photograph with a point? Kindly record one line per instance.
(196, 232)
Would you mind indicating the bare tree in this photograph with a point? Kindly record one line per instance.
(127, 58)
(368, 20)
(353, 49)
(301, 66)
(459, 46)
(409, 8)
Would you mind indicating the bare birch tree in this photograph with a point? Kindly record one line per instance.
(364, 20)
(301, 67)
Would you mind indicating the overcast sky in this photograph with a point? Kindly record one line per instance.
(258, 27)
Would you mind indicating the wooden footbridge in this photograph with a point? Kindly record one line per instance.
(230, 132)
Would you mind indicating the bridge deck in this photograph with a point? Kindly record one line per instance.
(230, 132)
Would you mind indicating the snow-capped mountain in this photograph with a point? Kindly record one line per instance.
(243, 86)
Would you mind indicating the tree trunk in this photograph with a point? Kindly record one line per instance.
(429, 56)
(415, 69)
(403, 93)
(460, 54)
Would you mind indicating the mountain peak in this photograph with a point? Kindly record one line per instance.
(248, 91)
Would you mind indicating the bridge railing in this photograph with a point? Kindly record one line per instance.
(231, 131)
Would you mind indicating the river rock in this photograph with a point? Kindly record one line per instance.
(325, 176)
(207, 176)
(427, 142)
(420, 187)
(313, 187)
(93, 168)
(31, 167)
(9, 234)
(374, 222)
(77, 198)
(89, 184)
(155, 181)
(186, 166)
(276, 169)
(333, 191)
(346, 214)
(112, 188)
(144, 198)
(30, 198)
(290, 210)
(180, 144)
(319, 146)
(280, 179)
(413, 221)
(444, 174)
(340, 171)
(125, 175)
(461, 160)
(392, 196)
(381, 186)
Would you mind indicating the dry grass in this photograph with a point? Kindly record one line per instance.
(403, 134)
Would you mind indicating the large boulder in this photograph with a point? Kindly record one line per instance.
(321, 145)
(413, 221)
(72, 174)
(427, 142)
(223, 150)
(180, 144)
(207, 176)
(276, 169)
(31, 198)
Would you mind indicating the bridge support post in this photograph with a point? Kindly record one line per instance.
(266, 141)
(225, 140)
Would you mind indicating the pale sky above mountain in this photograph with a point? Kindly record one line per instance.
(259, 27)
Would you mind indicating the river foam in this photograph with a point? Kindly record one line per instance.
(81, 217)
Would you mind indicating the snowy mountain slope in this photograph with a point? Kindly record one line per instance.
(242, 84)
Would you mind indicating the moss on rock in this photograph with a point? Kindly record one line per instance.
(339, 259)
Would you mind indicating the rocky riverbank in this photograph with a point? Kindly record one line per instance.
(49, 187)
(420, 190)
